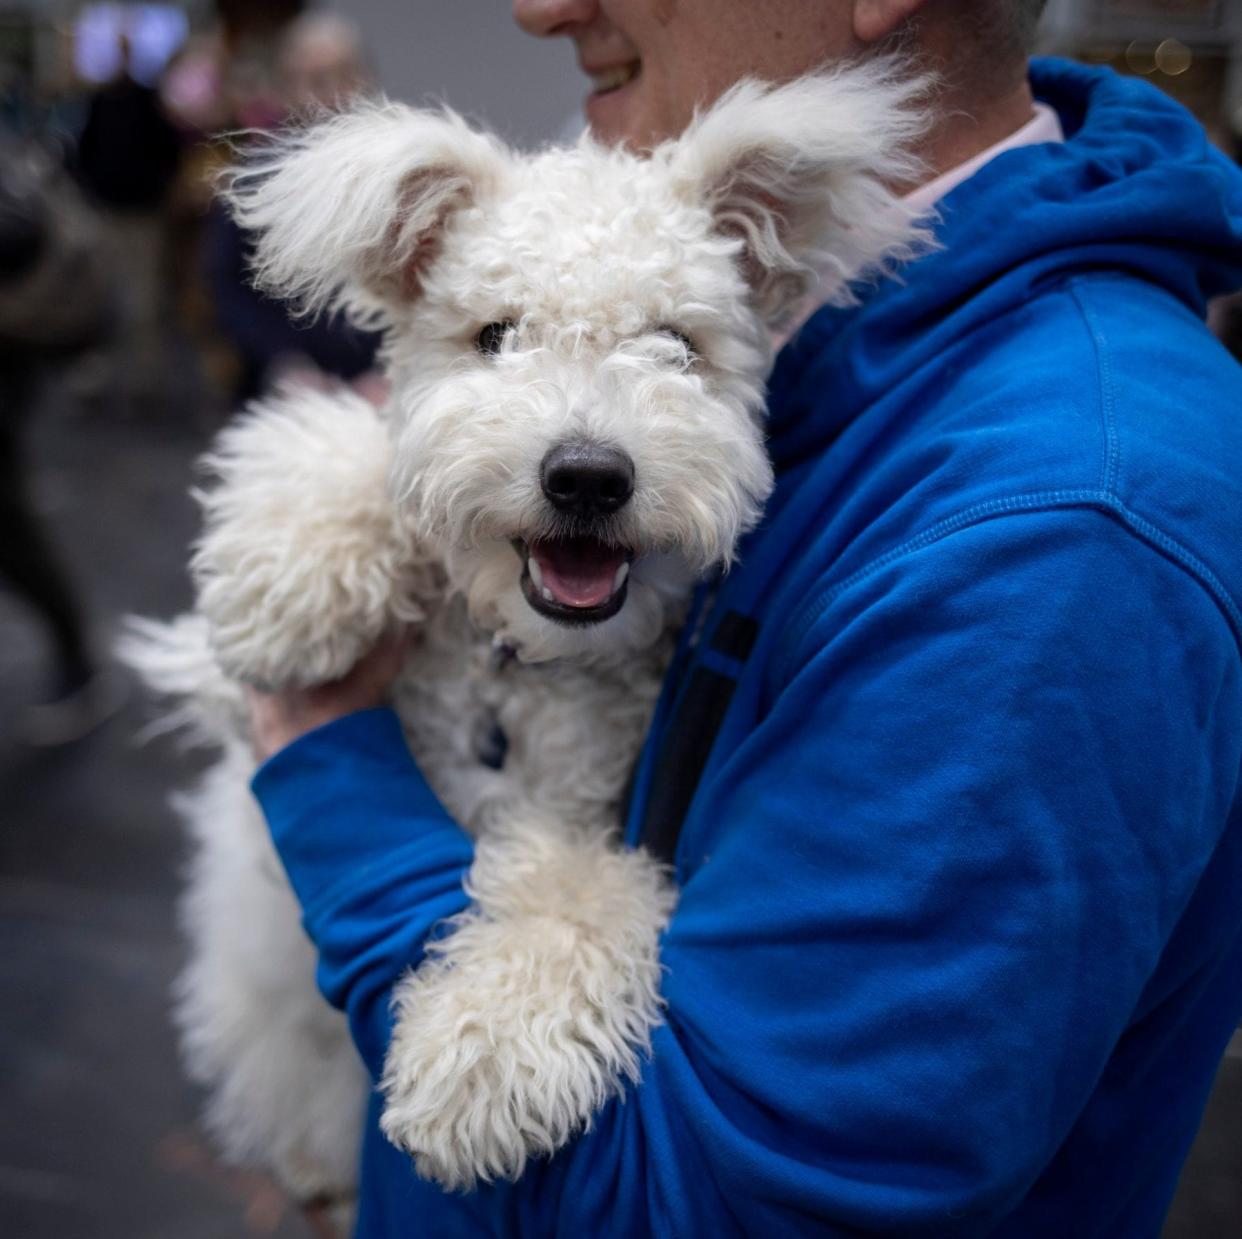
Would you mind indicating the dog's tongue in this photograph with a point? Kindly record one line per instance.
(578, 572)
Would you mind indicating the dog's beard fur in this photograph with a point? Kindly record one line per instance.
(467, 473)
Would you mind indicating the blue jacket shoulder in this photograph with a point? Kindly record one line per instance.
(1100, 392)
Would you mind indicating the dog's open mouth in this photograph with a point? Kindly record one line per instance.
(575, 580)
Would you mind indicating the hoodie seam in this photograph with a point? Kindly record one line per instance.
(1098, 500)
(1110, 463)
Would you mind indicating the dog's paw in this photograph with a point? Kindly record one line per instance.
(529, 1015)
(304, 561)
(497, 1062)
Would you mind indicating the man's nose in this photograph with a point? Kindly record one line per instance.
(553, 17)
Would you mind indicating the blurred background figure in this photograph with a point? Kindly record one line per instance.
(321, 63)
(127, 157)
(128, 150)
(318, 64)
(54, 303)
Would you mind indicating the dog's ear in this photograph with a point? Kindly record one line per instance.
(804, 176)
(348, 212)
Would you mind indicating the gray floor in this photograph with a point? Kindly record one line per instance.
(97, 1129)
(97, 1132)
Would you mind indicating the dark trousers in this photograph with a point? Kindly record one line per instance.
(28, 563)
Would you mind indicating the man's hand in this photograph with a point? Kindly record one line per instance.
(277, 719)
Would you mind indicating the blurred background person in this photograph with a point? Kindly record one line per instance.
(127, 158)
(318, 64)
(321, 62)
(128, 151)
(54, 302)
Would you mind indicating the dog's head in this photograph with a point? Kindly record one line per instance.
(578, 339)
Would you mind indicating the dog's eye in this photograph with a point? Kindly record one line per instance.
(684, 340)
(492, 337)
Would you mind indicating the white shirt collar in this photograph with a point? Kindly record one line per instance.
(1044, 126)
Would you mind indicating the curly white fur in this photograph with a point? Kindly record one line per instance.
(300, 533)
(638, 293)
(835, 217)
(253, 1026)
(558, 940)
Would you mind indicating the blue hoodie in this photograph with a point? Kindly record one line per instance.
(959, 943)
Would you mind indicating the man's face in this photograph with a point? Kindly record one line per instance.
(652, 62)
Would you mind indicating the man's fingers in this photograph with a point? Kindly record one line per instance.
(279, 718)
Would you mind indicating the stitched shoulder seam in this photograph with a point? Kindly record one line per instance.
(1038, 501)
(1110, 462)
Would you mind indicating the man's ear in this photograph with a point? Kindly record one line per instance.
(348, 212)
(808, 176)
(878, 19)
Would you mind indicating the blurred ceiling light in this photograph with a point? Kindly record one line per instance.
(1173, 57)
(106, 34)
(1140, 57)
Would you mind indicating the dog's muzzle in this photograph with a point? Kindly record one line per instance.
(580, 577)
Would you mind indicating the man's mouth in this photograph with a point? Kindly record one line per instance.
(605, 81)
(575, 580)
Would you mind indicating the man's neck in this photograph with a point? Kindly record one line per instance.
(968, 128)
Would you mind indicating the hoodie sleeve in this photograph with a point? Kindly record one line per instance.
(372, 856)
(929, 892)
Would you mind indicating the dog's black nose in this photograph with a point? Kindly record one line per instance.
(587, 479)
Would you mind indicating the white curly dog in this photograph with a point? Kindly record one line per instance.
(577, 342)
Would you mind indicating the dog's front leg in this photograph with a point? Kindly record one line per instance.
(304, 561)
(534, 1010)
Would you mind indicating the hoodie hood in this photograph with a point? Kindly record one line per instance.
(1136, 187)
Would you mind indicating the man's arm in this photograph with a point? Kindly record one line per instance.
(927, 893)
(373, 857)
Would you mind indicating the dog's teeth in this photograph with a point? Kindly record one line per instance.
(548, 595)
(536, 573)
(619, 579)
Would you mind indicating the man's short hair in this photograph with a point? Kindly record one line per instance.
(999, 31)
(1023, 17)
